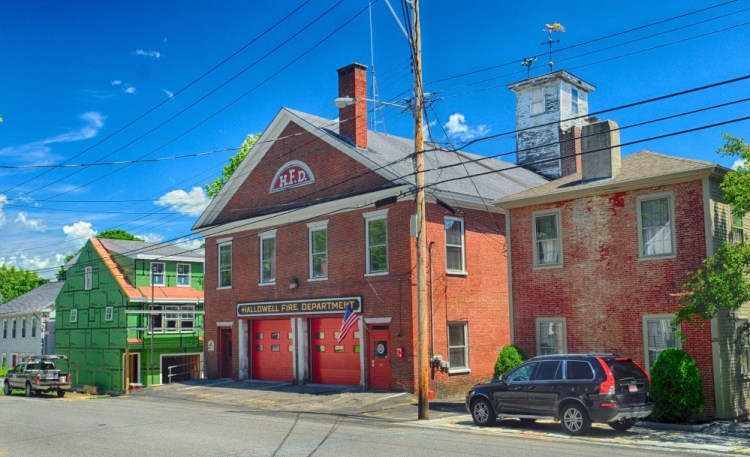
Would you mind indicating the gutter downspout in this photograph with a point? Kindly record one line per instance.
(511, 316)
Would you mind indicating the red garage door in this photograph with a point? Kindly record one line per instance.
(271, 349)
(334, 363)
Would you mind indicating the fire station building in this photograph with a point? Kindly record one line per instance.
(318, 218)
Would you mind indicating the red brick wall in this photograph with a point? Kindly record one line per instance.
(333, 170)
(603, 290)
(480, 298)
(353, 118)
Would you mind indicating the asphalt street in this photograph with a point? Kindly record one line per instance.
(201, 421)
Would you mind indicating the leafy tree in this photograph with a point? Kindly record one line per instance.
(15, 282)
(112, 234)
(509, 357)
(722, 282)
(214, 188)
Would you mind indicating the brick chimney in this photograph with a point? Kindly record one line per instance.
(600, 151)
(353, 118)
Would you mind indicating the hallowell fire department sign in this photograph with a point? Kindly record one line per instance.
(311, 306)
(292, 174)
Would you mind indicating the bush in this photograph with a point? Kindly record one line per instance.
(676, 386)
(509, 357)
(3, 370)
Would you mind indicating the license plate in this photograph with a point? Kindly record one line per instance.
(632, 388)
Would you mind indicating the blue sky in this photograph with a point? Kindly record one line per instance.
(96, 81)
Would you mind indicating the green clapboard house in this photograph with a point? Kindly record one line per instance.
(131, 313)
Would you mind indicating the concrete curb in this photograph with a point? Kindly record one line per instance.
(694, 428)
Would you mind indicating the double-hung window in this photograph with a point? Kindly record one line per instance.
(455, 255)
(547, 247)
(157, 273)
(656, 226)
(738, 230)
(13, 333)
(88, 274)
(376, 235)
(658, 336)
(183, 275)
(574, 100)
(268, 257)
(33, 327)
(108, 313)
(171, 319)
(23, 328)
(187, 318)
(318, 249)
(73, 317)
(551, 336)
(743, 346)
(225, 264)
(5, 329)
(458, 347)
(537, 100)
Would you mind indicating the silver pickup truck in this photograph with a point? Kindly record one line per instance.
(46, 373)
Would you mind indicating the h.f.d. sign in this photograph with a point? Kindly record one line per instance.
(292, 174)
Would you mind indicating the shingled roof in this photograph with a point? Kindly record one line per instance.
(43, 297)
(638, 170)
(148, 250)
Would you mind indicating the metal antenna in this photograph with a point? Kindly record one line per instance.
(556, 27)
(374, 84)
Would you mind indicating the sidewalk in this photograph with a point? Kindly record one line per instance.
(401, 408)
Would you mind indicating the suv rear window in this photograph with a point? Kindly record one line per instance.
(626, 369)
(578, 370)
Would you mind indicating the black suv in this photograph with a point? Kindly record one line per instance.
(576, 389)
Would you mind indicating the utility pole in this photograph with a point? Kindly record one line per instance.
(422, 337)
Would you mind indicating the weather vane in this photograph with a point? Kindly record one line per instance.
(556, 27)
(527, 62)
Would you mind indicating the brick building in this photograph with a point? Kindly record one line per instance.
(599, 258)
(317, 218)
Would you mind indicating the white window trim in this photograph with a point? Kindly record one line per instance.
(531, 101)
(13, 329)
(313, 227)
(556, 320)
(88, 278)
(644, 319)
(374, 216)
(467, 368)
(163, 274)
(109, 314)
(261, 237)
(189, 274)
(5, 329)
(225, 242)
(731, 227)
(73, 315)
(535, 248)
(672, 222)
(463, 246)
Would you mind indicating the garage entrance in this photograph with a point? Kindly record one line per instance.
(272, 350)
(334, 363)
(175, 368)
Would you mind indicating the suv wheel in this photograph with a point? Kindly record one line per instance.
(482, 412)
(6, 388)
(622, 425)
(574, 419)
(29, 392)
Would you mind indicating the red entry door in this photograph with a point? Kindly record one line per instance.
(334, 363)
(272, 351)
(225, 352)
(380, 358)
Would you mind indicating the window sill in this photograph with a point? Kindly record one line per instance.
(548, 267)
(379, 273)
(456, 371)
(317, 279)
(261, 284)
(456, 273)
(223, 287)
(657, 257)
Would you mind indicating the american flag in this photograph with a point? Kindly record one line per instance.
(350, 318)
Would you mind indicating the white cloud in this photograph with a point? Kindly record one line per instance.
(168, 93)
(39, 151)
(190, 203)
(189, 245)
(31, 224)
(151, 237)
(80, 229)
(738, 163)
(458, 129)
(3, 202)
(142, 52)
(129, 90)
(35, 263)
(116, 82)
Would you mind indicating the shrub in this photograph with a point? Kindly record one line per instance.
(676, 386)
(509, 357)
(3, 370)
